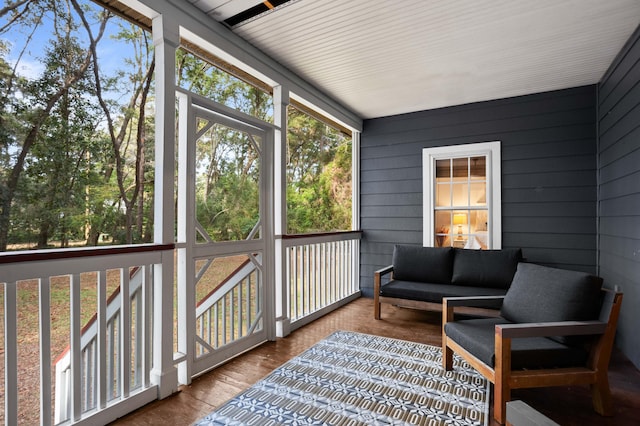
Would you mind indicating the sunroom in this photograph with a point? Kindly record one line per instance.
(270, 156)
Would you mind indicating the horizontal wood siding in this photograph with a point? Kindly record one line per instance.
(619, 189)
(549, 185)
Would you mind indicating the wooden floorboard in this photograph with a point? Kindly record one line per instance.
(565, 405)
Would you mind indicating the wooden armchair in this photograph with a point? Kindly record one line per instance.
(536, 342)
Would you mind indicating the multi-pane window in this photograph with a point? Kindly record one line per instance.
(462, 196)
(461, 202)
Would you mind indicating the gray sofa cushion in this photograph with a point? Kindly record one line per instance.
(423, 264)
(543, 294)
(427, 292)
(477, 336)
(485, 268)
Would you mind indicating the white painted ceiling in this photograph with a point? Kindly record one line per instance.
(382, 58)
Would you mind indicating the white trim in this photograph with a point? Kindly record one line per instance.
(494, 193)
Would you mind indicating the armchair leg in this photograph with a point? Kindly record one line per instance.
(376, 307)
(447, 355)
(601, 397)
(501, 386)
(501, 395)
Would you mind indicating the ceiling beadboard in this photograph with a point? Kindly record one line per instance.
(382, 58)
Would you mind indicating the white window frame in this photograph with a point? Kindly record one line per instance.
(494, 194)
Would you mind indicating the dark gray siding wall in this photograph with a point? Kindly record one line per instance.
(549, 174)
(619, 189)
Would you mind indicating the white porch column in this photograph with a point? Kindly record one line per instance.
(280, 104)
(166, 40)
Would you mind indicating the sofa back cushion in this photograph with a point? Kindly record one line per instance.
(485, 268)
(423, 264)
(543, 294)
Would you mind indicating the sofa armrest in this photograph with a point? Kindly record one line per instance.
(377, 283)
(384, 271)
(377, 278)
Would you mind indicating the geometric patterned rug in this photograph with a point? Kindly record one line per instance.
(359, 379)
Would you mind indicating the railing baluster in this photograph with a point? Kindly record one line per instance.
(312, 277)
(45, 352)
(125, 335)
(102, 347)
(10, 352)
(241, 325)
(224, 320)
(216, 331)
(293, 282)
(147, 308)
(76, 326)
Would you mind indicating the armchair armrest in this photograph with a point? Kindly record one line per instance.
(545, 329)
(384, 271)
(449, 303)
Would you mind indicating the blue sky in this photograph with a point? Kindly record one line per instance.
(110, 53)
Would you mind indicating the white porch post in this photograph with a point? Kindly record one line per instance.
(281, 102)
(166, 39)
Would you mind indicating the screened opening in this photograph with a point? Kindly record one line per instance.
(206, 75)
(319, 175)
(77, 134)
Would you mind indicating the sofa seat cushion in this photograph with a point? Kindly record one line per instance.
(485, 268)
(428, 292)
(425, 264)
(477, 336)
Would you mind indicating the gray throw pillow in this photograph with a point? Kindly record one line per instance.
(543, 294)
(485, 268)
(422, 264)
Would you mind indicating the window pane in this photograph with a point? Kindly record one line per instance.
(461, 168)
(460, 194)
(478, 168)
(443, 194)
(443, 169)
(478, 194)
(443, 229)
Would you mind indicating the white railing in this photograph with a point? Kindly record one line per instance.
(321, 272)
(89, 351)
(232, 310)
(107, 360)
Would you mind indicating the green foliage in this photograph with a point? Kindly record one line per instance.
(318, 176)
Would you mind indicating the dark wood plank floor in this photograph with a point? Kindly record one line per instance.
(565, 405)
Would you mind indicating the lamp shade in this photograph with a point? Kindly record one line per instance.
(460, 219)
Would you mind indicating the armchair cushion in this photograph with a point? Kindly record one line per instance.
(477, 336)
(422, 264)
(485, 268)
(543, 294)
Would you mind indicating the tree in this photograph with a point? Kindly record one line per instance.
(42, 103)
